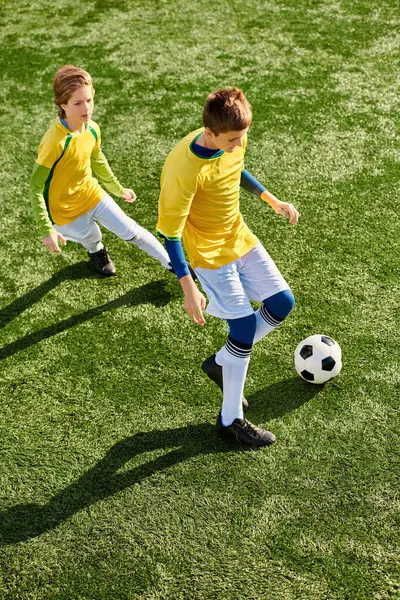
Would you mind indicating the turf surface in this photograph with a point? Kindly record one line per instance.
(114, 484)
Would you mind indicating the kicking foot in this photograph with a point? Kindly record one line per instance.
(102, 262)
(214, 372)
(245, 432)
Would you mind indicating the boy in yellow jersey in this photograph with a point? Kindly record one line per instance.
(199, 204)
(65, 191)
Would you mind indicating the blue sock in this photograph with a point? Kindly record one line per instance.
(241, 331)
(272, 312)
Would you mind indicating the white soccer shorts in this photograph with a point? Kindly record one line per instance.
(230, 288)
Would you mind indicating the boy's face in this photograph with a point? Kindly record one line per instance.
(227, 142)
(80, 105)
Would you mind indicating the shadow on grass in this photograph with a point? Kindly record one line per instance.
(153, 292)
(281, 398)
(24, 521)
(79, 270)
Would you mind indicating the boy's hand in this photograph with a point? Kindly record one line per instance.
(195, 302)
(129, 195)
(51, 242)
(281, 208)
(287, 210)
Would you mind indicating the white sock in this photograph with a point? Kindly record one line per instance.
(265, 323)
(235, 362)
(149, 243)
(219, 356)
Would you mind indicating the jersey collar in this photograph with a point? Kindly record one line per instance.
(64, 123)
(201, 152)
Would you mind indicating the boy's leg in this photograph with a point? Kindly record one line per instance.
(85, 231)
(272, 312)
(263, 282)
(109, 214)
(259, 278)
(228, 300)
(234, 357)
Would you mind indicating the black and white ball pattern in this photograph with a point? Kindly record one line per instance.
(318, 358)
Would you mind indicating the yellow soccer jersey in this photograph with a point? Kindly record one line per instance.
(70, 190)
(199, 202)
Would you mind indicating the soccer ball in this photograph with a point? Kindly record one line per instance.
(318, 358)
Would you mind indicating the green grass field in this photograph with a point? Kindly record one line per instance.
(114, 484)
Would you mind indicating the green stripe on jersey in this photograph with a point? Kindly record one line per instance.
(50, 177)
(93, 131)
(170, 239)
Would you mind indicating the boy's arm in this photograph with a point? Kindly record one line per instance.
(250, 183)
(176, 197)
(177, 257)
(37, 183)
(102, 171)
(195, 302)
(50, 237)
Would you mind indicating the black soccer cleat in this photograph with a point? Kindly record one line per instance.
(214, 372)
(172, 270)
(246, 433)
(102, 262)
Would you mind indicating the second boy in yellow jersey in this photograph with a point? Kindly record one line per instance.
(199, 204)
(71, 170)
(71, 190)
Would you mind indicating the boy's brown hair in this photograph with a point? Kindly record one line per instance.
(227, 110)
(68, 79)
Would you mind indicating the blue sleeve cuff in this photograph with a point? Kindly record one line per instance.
(178, 261)
(250, 183)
